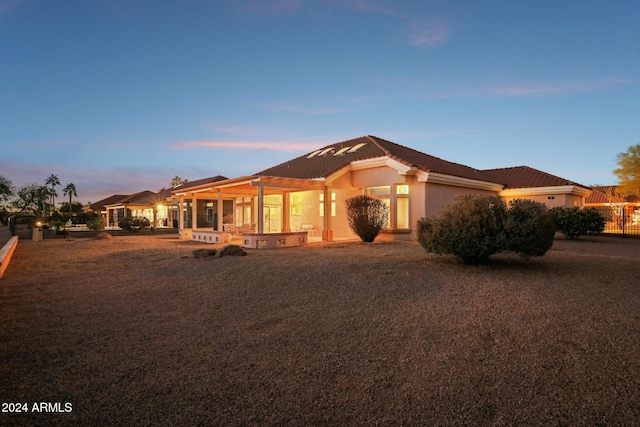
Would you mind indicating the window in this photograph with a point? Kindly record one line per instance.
(333, 204)
(397, 201)
(243, 211)
(384, 194)
(402, 212)
(209, 214)
(402, 206)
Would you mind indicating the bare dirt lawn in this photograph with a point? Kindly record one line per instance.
(136, 331)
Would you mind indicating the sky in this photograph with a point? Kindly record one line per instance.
(121, 96)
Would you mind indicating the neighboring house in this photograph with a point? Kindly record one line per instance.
(619, 211)
(159, 208)
(307, 194)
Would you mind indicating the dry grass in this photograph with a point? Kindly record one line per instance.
(135, 331)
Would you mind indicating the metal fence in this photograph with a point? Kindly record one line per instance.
(25, 232)
(621, 222)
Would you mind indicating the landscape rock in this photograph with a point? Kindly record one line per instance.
(104, 236)
(204, 253)
(230, 250)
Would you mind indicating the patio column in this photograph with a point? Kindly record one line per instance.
(181, 213)
(327, 229)
(286, 212)
(220, 211)
(260, 212)
(194, 212)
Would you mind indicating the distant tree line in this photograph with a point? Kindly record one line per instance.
(37, 201)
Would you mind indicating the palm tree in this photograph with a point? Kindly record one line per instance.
(53, 181)
(70, 190)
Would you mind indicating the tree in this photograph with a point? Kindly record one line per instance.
(628, 172)
(6, 189)
(70, 190)
(176, 181)
(53, 181)
(367, 216)
(32, 197)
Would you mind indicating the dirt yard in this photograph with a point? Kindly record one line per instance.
(136, 331)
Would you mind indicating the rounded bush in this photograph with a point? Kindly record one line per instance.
(470, 229)
(474, 228)
(575, 222)
(529, 228)
(367, 216)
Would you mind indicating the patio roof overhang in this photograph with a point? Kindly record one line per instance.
(246, 186)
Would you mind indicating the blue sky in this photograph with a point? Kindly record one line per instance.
(121, 96)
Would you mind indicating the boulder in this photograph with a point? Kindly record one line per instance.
(104, 236)
(230, 250)
(204, 253)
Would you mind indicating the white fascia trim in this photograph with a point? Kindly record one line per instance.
(538, 191)
(456, 181)
(377, 162)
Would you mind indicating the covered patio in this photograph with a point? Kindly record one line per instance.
(260, 212)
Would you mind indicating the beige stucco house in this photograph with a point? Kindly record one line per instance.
(621, 212)
(160, 208)
(303, 198)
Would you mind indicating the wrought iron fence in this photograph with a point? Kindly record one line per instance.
(620, 221)
(25, 232)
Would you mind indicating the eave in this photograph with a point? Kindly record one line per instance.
(539, 191)
(456, 181)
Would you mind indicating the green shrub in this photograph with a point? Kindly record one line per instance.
(367, 216)
(474, 228)
(529, 228)
(575, 222)
(133, 223)
(471, 229)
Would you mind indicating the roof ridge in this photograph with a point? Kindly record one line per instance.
(374, 139)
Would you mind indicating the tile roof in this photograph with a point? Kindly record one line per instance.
(325, 163)
(133, 197)
(100, 204)
(525, 176)
(197, 182)
(597, 196)
(609, 194)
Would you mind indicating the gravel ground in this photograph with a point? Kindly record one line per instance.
(136, 331)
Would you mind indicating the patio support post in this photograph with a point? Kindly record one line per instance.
(194, 212)
(392, 207)
(181, 213)
(107, 219)
(260, 212)
(286, 212)
(327, 228)
(220, 211)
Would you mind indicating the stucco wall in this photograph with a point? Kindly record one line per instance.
(344, 190)
(437, 196)
(375, 176)
(551, 200)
